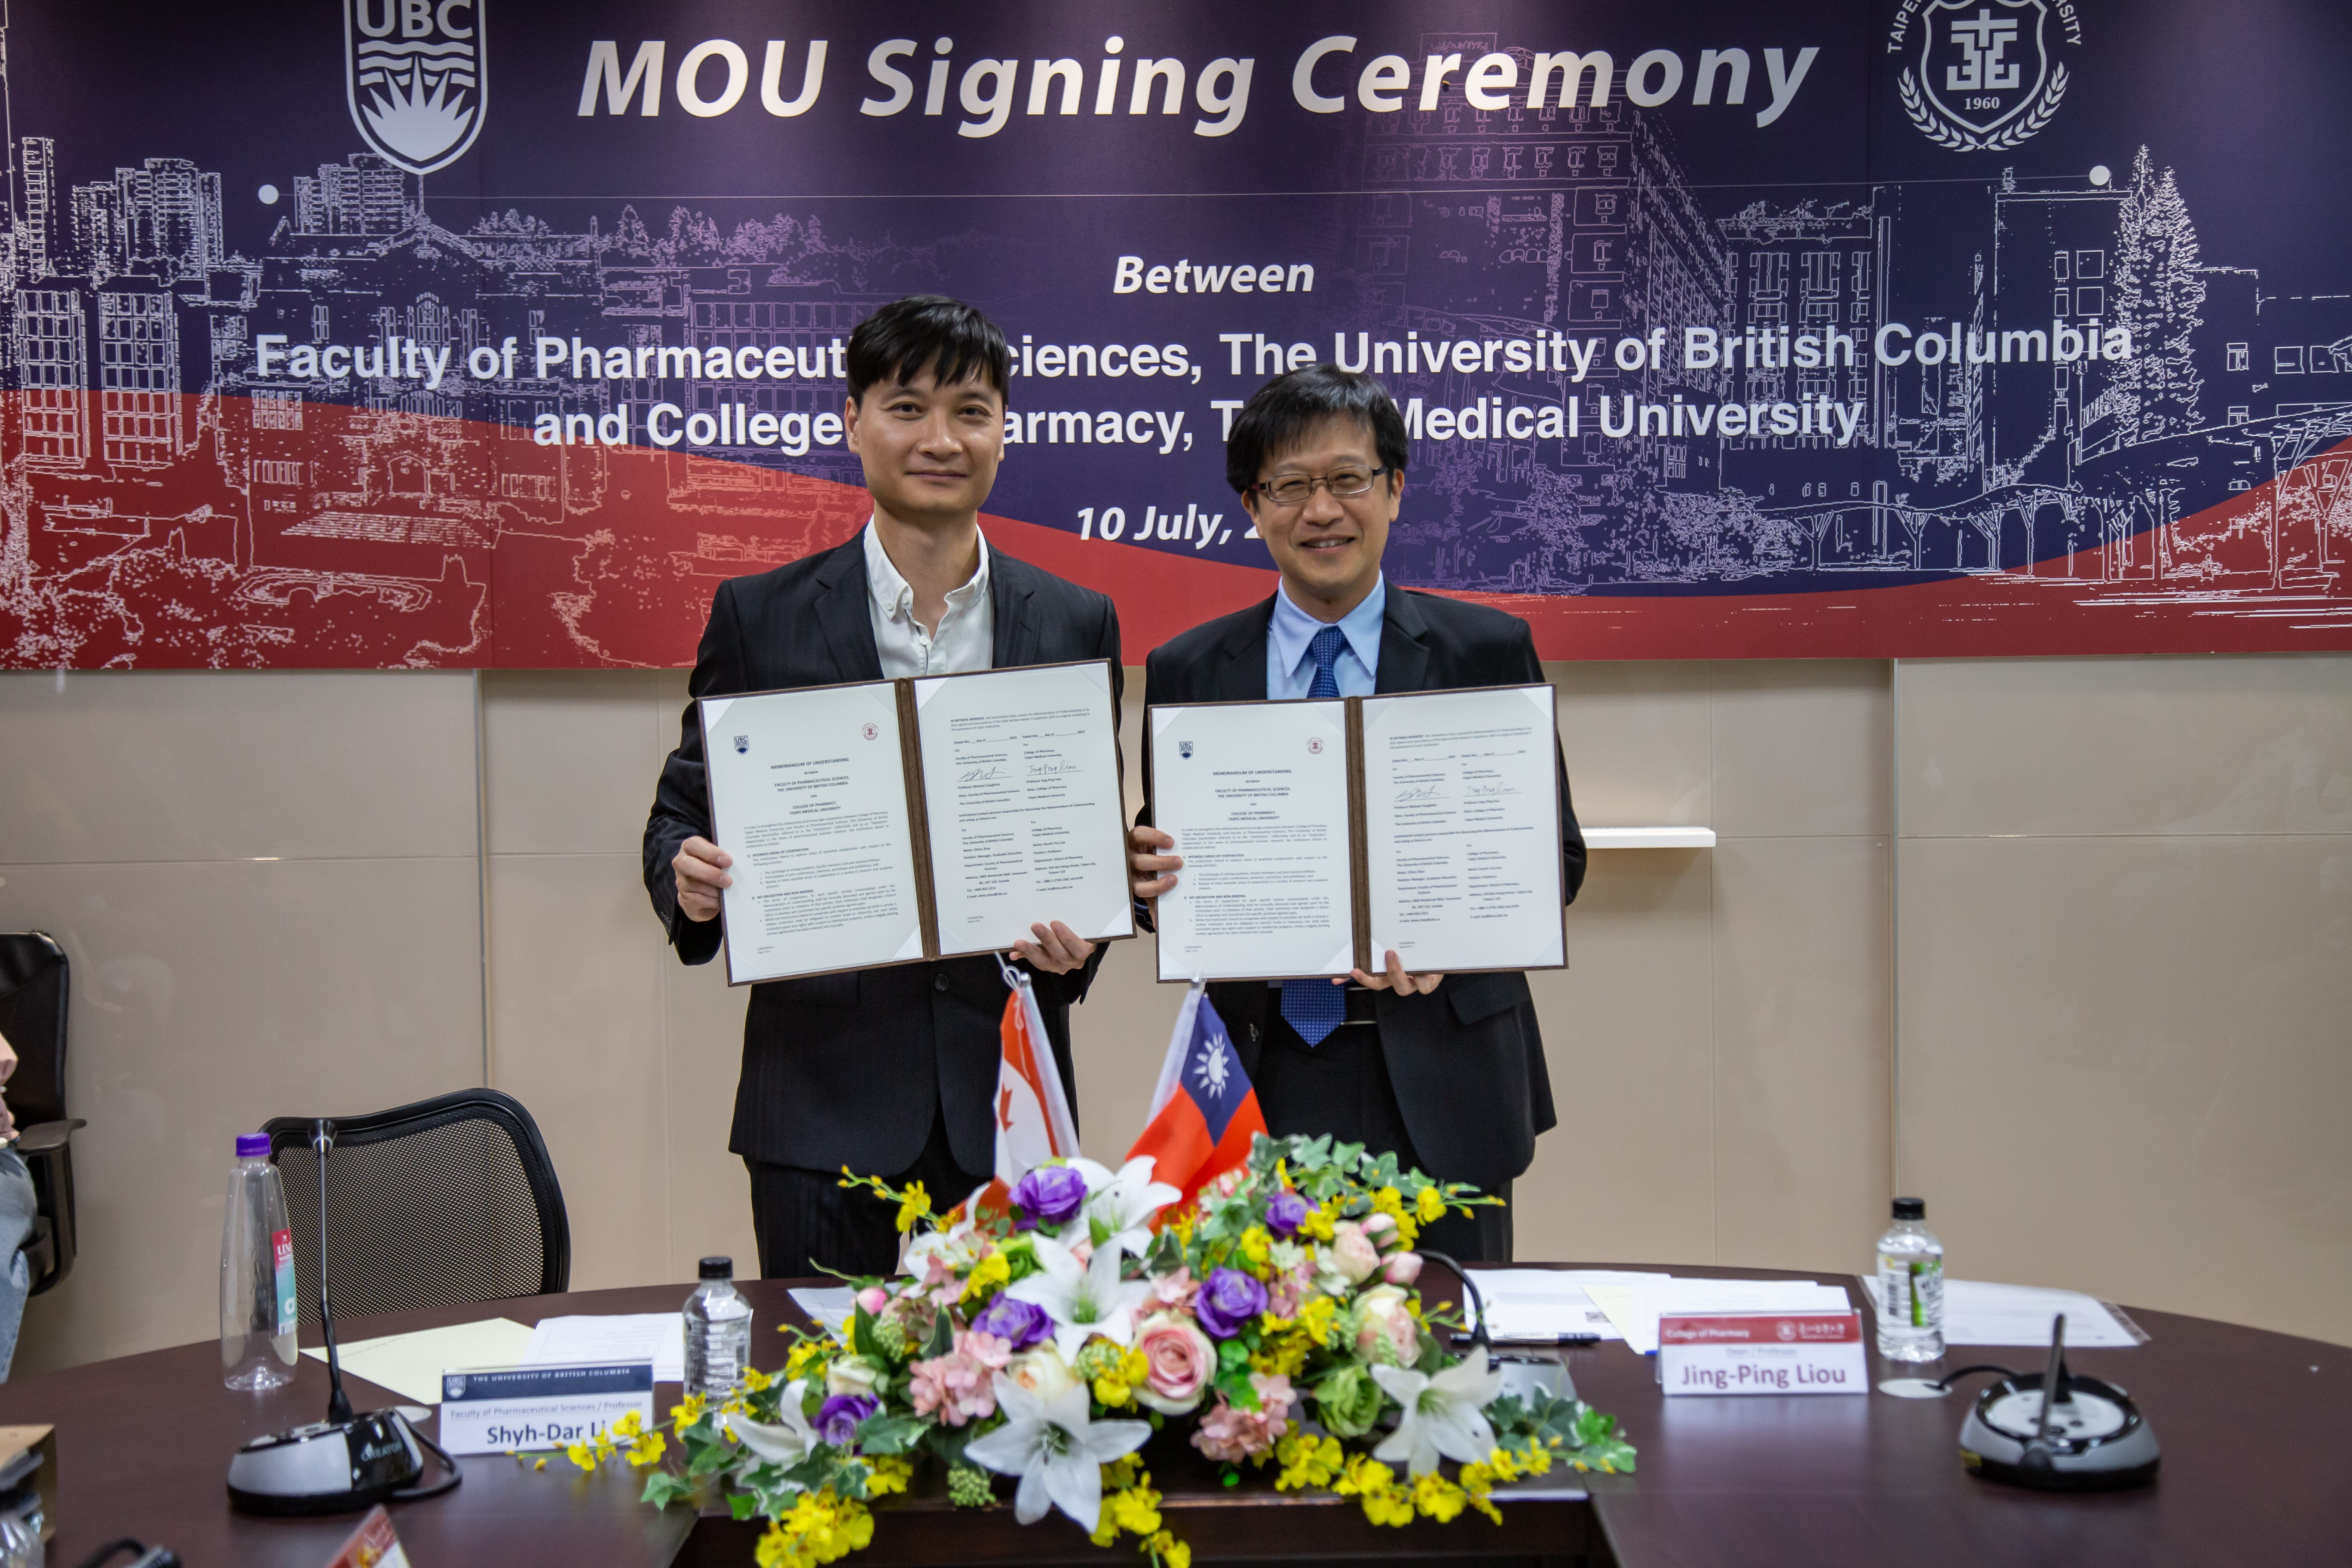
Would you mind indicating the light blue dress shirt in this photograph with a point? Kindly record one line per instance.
(1289, 672)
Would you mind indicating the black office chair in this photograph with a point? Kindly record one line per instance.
(432, 1205)
(35, 985)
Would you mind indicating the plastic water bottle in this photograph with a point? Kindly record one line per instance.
(257, 1290)
(718, 1333)
(1910, 1287)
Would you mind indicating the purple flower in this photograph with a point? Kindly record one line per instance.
(1018, 1323)
(1285, 1213)
(1050, 1194)
(1230, 1299)
(837, 1421)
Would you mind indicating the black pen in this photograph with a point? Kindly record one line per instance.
(1461, 1340)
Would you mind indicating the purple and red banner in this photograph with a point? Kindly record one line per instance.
(494, 332)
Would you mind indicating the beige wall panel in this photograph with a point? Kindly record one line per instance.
(576, 1035)
(1628, 1037)
(1118, 1038)
(2237, 744)
(233, 766)
(570, 759)
(209, 998)
(1637, 742)
(1801, 747)
(710, 1196)
(1802, 1170)
(2125, 1070)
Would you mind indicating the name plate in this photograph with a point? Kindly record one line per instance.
(503, 1409)
(1762, 1352)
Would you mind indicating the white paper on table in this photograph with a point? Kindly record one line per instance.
(592, 1341)
(808, 792)
(1021, 792)
(1976, 1313)
(1684, 1297)
(830, 1309)
(1544, 1303)
(411, 1364)
(1255, 795)
(1462, 829)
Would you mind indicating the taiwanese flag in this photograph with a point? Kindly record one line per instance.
(1204, 1113)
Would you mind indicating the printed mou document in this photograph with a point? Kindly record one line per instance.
(1319, 836)
(887, 822)
(1256, 795)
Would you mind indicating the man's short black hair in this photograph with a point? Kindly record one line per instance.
(927, 332)
(1281, 413)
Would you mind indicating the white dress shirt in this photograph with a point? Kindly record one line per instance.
(963, 641)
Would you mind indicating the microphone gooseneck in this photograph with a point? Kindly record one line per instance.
(339, 1404)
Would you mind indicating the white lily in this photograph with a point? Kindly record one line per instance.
(1120, 1206)
(787, 1444)
(1083, 1300)
(1443, 1414)
(1055, 1450)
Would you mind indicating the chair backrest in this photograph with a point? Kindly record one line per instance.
(444, 1202)
(33, 988)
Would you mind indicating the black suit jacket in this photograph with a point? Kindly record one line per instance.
(1467, 1060)
(847, 1069)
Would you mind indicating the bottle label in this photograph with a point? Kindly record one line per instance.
(1912, 1292)
(282, 1249)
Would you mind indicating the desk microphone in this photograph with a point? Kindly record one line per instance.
(346, 1462)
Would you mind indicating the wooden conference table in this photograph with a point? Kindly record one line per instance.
(2255, 1434)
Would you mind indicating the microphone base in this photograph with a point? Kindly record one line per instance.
(329, 1466)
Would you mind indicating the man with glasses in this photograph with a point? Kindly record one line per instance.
(1449, 1076)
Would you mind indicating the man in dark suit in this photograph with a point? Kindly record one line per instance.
(1453, 1079)
(891, 1073)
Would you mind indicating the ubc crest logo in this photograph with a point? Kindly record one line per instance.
(413, 75)
(1184, 748)
(1985, 78)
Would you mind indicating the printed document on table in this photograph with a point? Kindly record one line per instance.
(592, 1341)
(1256, 795)
(1023, 802)
(808, 794)
(1976, 1313)
(1461, 819)
(1542, 1304)
(411, 1364)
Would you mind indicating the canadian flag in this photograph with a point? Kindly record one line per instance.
(1032, 1116)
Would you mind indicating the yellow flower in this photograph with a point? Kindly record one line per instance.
(582, 1455)
(1256, 1247)
(1431, 1205)
(915, 1204)
(1438, 1497)
(1306, 1462)
(1319, 1222)
(887, 1475)
(1388, 1201)
(1168, 1551)
(541, 1463)
(630, 1425)
(988, 1277)
(1375, 1484)
(808, 1356)
(687, 1411)
(1317, 1317)
(647, 1450)
(755, 1380)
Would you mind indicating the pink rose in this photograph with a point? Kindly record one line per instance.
(1178, 1360)
(1402, 1268)
(1231, 1435)
(1383, 1229)
(874, 1299)
(1385, 1331)
(1353, 1253)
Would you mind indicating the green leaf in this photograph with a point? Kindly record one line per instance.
(884, 1434)
(662, 1488)
(710, 1461)
(863, 1324)
(942, 1338)
(742, 1505)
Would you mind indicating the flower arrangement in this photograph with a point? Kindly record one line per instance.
(1274, 1322)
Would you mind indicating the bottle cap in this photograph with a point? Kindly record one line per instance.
(1910, 1208)
(719, 1268)
(253, 1145)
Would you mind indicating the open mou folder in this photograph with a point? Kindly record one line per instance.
(1319, 835)
(893, 821)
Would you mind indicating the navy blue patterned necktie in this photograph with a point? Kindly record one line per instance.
(1316, 1007)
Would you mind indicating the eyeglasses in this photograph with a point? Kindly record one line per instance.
(1297, 489)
